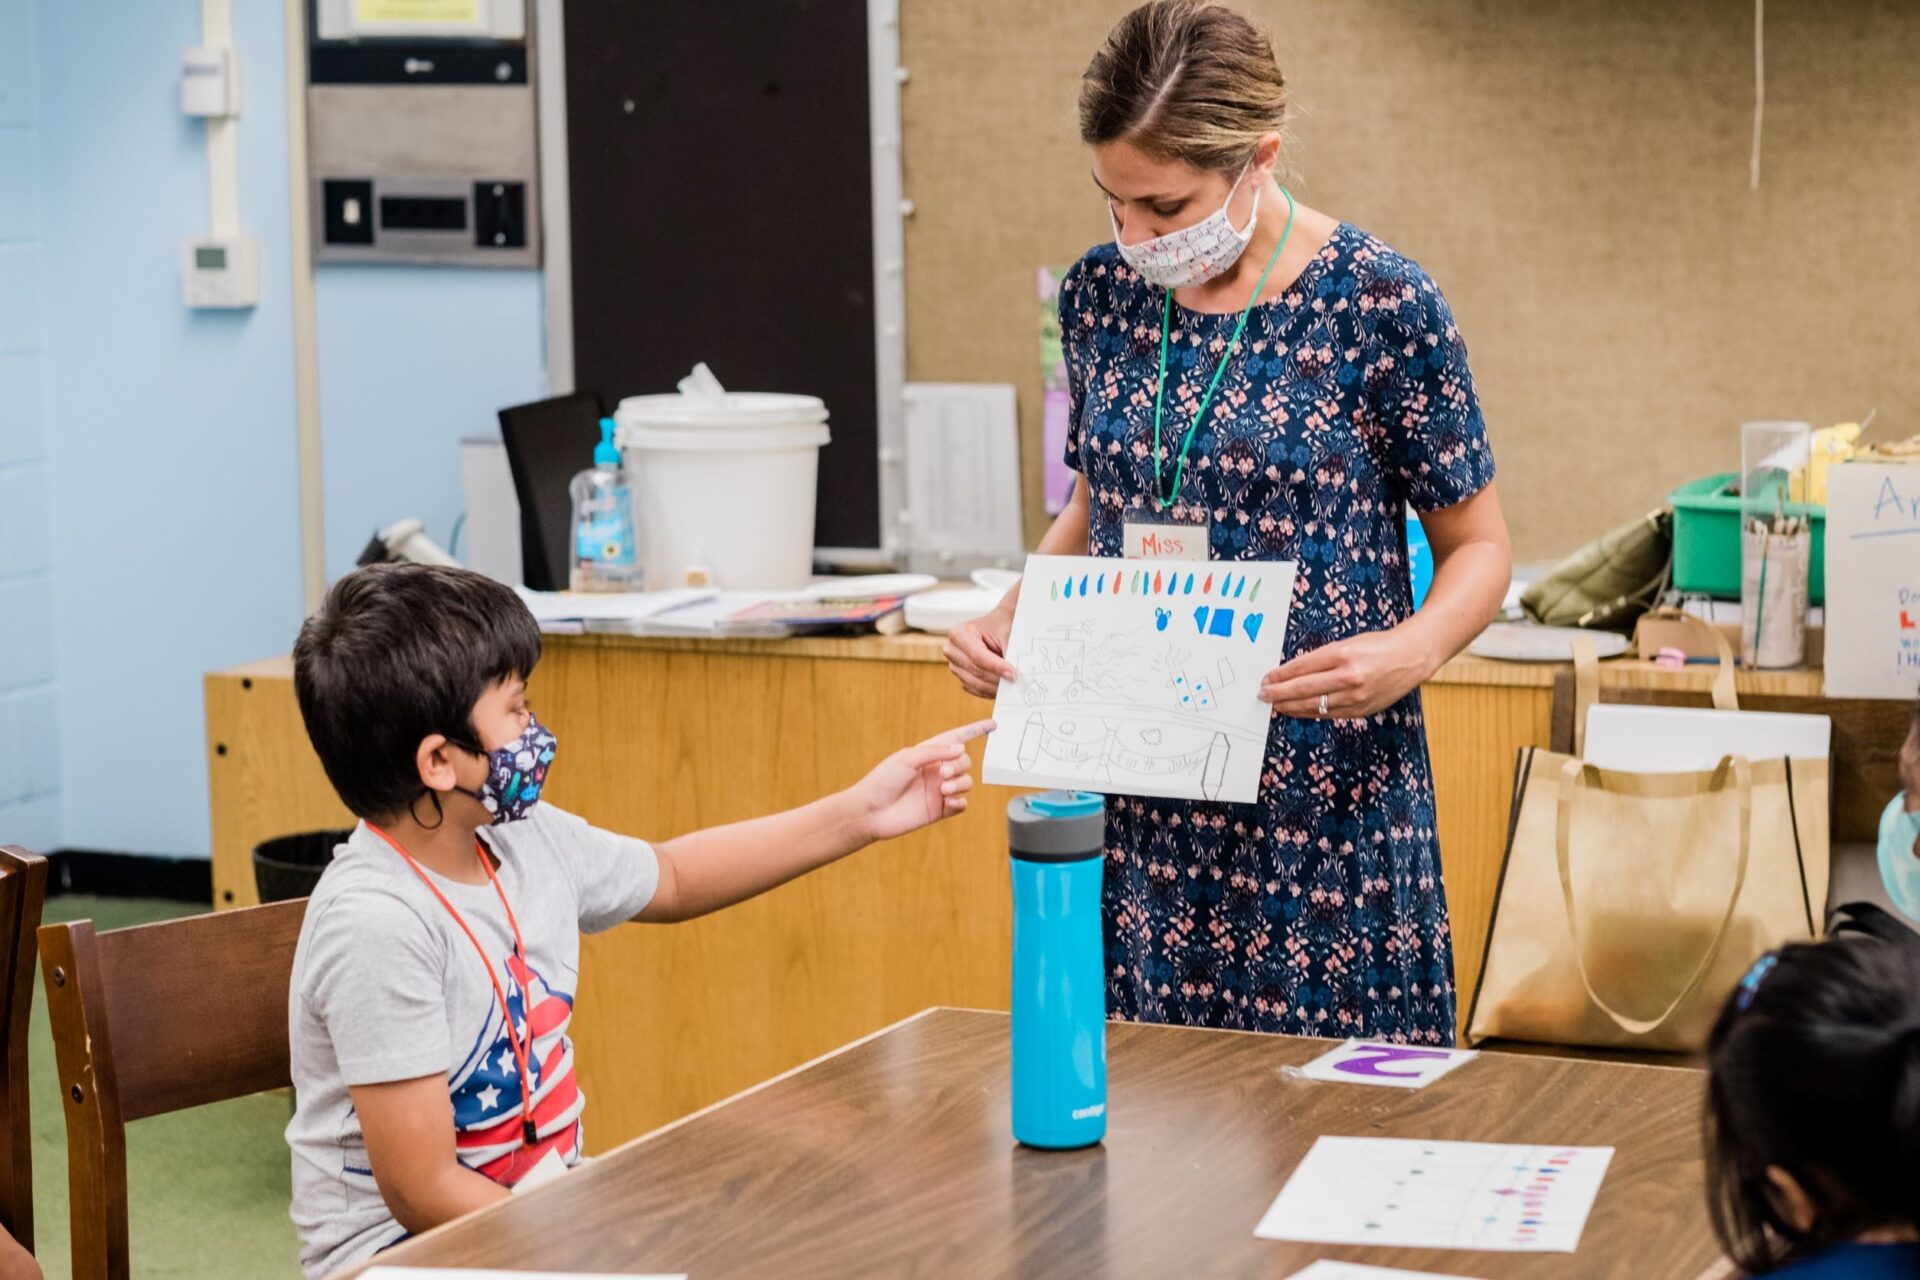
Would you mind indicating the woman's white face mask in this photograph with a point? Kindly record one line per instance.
(1192, 255)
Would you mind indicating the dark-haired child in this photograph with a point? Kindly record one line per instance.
(436, 970)
(1813, 1113)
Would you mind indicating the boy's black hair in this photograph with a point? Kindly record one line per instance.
(399, 652)
(1815, 1068)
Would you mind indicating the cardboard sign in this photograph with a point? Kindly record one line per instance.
(1873, 581)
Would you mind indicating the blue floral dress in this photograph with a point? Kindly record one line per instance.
(1318, 909)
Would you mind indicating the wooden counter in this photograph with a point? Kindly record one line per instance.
(665, 736)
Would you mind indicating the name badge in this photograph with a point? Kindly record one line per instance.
(546, 1169)
(1147, 541)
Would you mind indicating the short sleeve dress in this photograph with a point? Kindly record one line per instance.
(1318, 909)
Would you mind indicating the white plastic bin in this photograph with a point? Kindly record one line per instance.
(723, 486)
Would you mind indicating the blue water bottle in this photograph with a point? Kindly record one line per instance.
(1059, 987)
(1419, 558)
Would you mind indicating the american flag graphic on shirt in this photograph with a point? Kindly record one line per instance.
(486, 1087)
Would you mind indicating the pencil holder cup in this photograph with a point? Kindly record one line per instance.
(1775, 567)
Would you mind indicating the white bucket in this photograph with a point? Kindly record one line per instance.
(723, 487)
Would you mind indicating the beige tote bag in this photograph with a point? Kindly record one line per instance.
(1630, 904)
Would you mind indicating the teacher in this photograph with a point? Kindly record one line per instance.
(1265, 382)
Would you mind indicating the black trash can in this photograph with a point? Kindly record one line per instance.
(289, 867)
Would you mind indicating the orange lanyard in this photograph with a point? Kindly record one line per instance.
(529, 1131)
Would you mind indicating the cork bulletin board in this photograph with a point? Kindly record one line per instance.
(1574, 175)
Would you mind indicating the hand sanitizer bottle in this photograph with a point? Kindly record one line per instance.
(606, 556)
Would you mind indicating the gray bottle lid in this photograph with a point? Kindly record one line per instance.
(1057, 826)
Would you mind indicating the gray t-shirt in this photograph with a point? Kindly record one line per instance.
(387, 987)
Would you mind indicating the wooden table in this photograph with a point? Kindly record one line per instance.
(893, 1157)
(664, 736)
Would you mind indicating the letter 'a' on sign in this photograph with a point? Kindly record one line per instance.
(1873, 581)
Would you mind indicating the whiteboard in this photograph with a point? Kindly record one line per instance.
(1873, 580)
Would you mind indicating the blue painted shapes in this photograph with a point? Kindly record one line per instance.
(1222, 624)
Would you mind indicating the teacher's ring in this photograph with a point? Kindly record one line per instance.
(1323, 706)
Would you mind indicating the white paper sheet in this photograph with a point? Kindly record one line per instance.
(1692, 739)
(1399, 1193)
(1328, 1269)
(545, 1170)
(963, 475)
(1392, 1066)
(1141, 677)
(706, 617)
(611, 606)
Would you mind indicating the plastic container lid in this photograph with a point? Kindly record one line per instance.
(705, 417)
(725, 439)
(1057, 826)
(722, 412)
(1067, 804)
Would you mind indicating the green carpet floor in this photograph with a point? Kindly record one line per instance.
(207, 1189)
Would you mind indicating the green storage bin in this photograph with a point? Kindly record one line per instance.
(1706, 539)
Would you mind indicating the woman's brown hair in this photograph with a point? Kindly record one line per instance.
(1184, 80)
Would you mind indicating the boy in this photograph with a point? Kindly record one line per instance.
(437, 964)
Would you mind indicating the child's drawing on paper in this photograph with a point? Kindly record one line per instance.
(1129, 677)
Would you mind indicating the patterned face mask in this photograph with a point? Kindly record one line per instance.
(1195, 254)
(516, 773)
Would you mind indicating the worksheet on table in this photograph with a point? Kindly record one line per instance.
(1141, 677)
(1397, 1192)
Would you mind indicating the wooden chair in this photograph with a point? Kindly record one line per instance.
(152, 1019)
(23, 891)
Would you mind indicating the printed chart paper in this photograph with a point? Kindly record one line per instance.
(1328, 1269)
(1397, 1193)
(1141, 677)
(1873, 580)
(1396, 1066)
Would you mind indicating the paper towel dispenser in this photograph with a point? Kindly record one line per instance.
(422, 133)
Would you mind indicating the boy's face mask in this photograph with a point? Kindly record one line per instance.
(1899, 864)
(516, 773)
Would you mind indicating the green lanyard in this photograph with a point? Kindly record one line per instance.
(1162, 500)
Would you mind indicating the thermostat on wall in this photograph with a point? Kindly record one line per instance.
(220, 271)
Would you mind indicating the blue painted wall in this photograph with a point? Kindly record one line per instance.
(174, 495)
(412, 361)
(29, 699)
